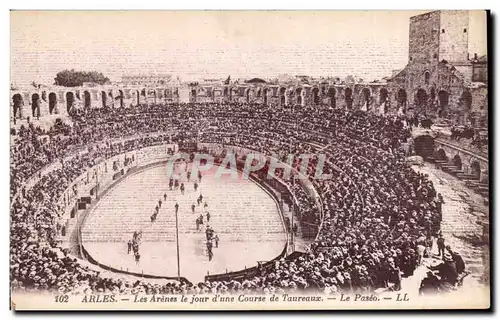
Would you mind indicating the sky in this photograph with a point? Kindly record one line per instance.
(195, 45)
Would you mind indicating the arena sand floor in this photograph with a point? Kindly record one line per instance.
(243, 215)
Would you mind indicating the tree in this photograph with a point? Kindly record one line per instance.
(72, 78)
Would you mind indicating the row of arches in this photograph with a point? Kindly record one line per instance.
(475, 167)
(441, 100)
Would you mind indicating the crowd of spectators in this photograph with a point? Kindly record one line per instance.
(373, 212)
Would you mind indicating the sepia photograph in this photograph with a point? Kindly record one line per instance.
(249, 160)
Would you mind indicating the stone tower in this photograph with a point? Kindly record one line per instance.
(439, 35)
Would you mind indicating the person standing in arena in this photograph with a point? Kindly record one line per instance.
(182, 188)
(195, 186)
(208, 216)
(176, 207)
(209, 250)
(159, 203)
(216, 240)
(129, 245)
(165, 197)
(193, 207)
(170, 184)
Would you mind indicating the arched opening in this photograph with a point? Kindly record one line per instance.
(103, 99)
(466, 100)
(282, 96)
(120, 98)
(247, 95)
(193, 95)
(137, 97)
(457, 162)
(111, 98)
(226, 92)
(443, 97)
(298, 94)
(143, 93)
(152, 93)
(52, 102)
(35, 105)
(331, 95)
(365, 99)
(383, 94)
(259, 92)
(348, 97)
(441, 155)
(475, 170)
(265, 93)
(315, 93)
(70, 99)
(427, 77)
(18, 102)
(421, 99)
(86, 99)
(424, 146)
(401, 100)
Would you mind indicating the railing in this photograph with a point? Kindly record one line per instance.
(88, 257)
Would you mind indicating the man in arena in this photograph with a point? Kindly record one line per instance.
(193, 207)
(176, 207)
(165, 197)
(129, 246)
(159, 203)
(182, 188)
(216, 240)
(208, 216)
(209, 250)
(195, 186)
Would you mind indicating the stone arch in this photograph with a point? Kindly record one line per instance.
(152, 93)
(265, 93)
(383, 96)
(104, 98)
(298, 96)
(457, 161)
(315, 95)
(282, 95)
(421, 99)
(401, 98)
(193, 95)
(443, 97)
(475, 168)
(424, 146)
(247, 95)
(52, 102)
(120, 97)
(427, 77)
(466, 100)
(441, 155)
(137, 97)
(18, 103)
(331, 95)
(70, 100)
(365, 95)
(35, 105)
(348, 97)
(86, 99)
(258, 92)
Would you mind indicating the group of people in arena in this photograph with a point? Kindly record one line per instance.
(133, 245)
(372, 215)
